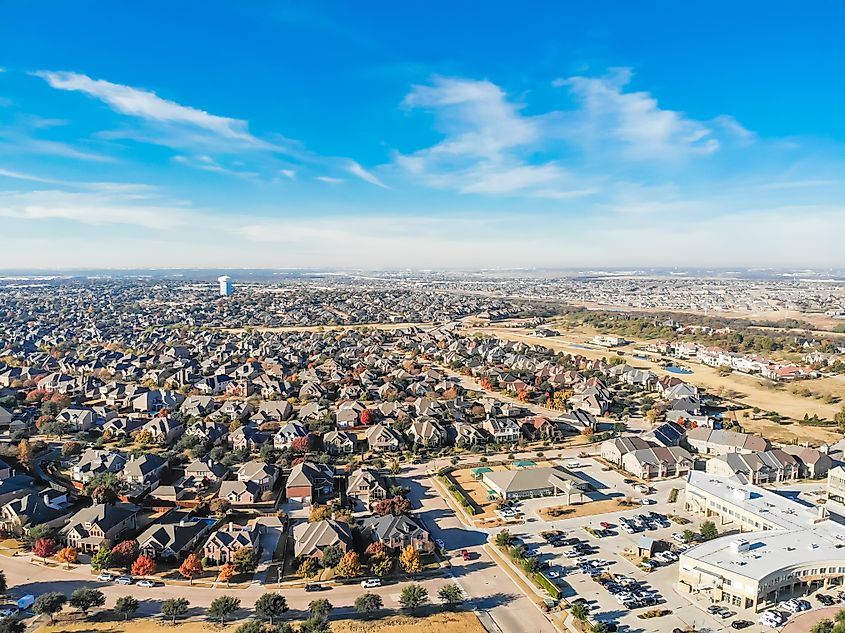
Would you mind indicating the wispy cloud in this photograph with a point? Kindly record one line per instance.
(329, 179)
(356, 170)
(147, 105)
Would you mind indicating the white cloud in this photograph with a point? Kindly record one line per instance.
(329, 179)
(17, 175)
(288, 173)
(609, 119)
(147, 105)
(356, 170)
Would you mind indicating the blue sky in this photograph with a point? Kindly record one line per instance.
(422, 135)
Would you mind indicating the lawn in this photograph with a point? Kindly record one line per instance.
(441, 622)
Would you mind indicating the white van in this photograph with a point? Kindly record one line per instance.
(369, 583)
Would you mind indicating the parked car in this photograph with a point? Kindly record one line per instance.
(605, 525)
(105, 577)
(741, 624)
(315, 586)
(369, 583)
(440, 544)
(146, 583)
(465, 554)
(825, 599)
(124, 580)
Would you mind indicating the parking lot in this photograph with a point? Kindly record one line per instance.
(615, 587)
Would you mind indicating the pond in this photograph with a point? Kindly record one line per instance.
(678, 370)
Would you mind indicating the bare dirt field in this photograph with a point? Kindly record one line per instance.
(442, 622)
(587, 509)
(750, 391)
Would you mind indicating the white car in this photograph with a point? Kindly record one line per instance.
(573, 463)
(105, 577)
(8, 612)
(647, 502)
(146, 583)
(678, 538)
(440, 544)
(553, 574)
(369, 583)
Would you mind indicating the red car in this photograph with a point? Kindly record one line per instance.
(605, 525)
(465, 554)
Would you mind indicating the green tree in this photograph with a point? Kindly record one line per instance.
(320, 608)
(332, 555)
(245, 560)
(4, 585)
(579, 612)
(689, 536)
(307, 568)
(174, 607)
(824, 626)
(271, 606)
(450, 595)
(223, 606)
(127, 605)
(709, 531)
(368, 603)
(11, 625)
(250, 626)
(49, 604)
(34, 534)
(315, 624)
(503, 538)
(101, 560)
(413, 596)
(381, 564)
(86, 599)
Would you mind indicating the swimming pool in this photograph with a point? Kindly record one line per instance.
(678, 370)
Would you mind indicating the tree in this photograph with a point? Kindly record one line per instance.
(143, 566)
(101, 560)
(579, 612)
(127, 605)
(823, 626)
(24, 452)
(124, 553)
(49, 604)
(227, 571)
(4, 585)
(395, 468)
(450, 595)
(250, 626)
(332, 555)
(709, 531)
(396, 506)
(219, 506)
(307, 568)
(191, 567)
(381, 564)
(410, 560)
(315, 625)
(368, 603)
(86, 599)
(223, 606)
(349, 566)
(320, 608)
(413, 597)
(366, 417)
(44, 547)
(503, 538)
(67, 555)
(34, 533)
(301, 444)
(320, 513)
(245, 560)
(71, 448)
(174, 607)
(271, 606)
(689, 536)
(10, 625)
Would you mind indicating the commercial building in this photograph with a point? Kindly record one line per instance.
(525, 483)
(784, 548)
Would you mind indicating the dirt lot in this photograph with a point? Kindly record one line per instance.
(587, 509)
(442, 622)
(749, 390)
(476, 490)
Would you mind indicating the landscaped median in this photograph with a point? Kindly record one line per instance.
(527, 566)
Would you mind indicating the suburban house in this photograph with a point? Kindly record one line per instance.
(94, 462)
(48, 507)
(240, 493)
(398, 532)
(367, 486)
(174, 536)
(340, 442)
(719, 442)
(222, 544)
(100, 526)
(756, 468)
(428, 432)
(613, 450)
(143, 470)
(261, 474)
(503, 430)
(383, 438)
(311, 539)
(309, 482)
(659, 462)
(206, 469)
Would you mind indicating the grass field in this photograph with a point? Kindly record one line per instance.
(441, 622)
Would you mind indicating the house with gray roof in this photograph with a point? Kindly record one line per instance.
(525, 483)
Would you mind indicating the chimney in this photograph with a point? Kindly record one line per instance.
(229, 528)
